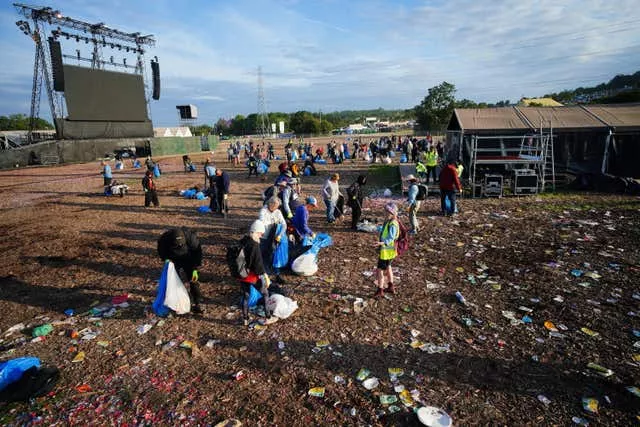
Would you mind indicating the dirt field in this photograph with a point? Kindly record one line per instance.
(65, 245)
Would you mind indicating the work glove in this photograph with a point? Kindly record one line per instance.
(277, 239)
(313, 236)
(289, 215)
(226, 196)
(194, 276)
(166, 261)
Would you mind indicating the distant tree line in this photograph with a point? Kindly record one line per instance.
(21, 122)
(621, 88)
(303, 122)
(432, 114)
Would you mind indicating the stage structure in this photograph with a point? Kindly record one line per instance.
(103, 98)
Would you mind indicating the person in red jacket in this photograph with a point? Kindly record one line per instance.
(449, 183)
(150, 191)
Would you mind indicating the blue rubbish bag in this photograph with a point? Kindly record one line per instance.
(254, 296)
(189, 194)
(200, 195)
(392, 153)
(303, 156)
(204, 209)
(136, 164)
(447, 205)
(281, 252)
(262, 168)
(347, 155)
(403, 158)
(307, 171)
(156, 171)
(322, 240)
(158, 305)
(192, 167)
(12, 370)
(321, 162)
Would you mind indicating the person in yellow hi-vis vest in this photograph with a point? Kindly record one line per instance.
(421, 170)
(431, 162)
(387, 244)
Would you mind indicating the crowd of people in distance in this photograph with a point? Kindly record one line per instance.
(286, 210)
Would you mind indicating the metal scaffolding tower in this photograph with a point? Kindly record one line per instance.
(38, 19)
(263, 128)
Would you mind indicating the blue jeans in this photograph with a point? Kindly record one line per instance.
(331, 207)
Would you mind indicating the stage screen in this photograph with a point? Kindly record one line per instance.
(98, 95)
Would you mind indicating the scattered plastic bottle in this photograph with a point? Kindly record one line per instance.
(544, 399)
(461, 299)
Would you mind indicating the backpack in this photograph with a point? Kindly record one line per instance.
(402, 244)
(236, 261)
(422, 192)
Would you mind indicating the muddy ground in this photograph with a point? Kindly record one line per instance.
(572, 259)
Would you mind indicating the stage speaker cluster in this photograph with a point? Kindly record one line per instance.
(57, 70)
(155, 71)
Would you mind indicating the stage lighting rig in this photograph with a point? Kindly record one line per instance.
(36, 23)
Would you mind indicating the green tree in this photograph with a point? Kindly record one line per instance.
(238, 125)
(436, 108)
(21, 122)
(222, 127)
(466, 103)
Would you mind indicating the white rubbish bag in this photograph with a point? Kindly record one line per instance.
(305, 265)
(387, 193)
(281, 306)
(176, 297)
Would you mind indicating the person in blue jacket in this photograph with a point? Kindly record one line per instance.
(107, 175)
(300, 219)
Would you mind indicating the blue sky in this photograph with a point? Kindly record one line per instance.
(334, 54)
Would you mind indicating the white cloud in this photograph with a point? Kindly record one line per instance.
(336, 54)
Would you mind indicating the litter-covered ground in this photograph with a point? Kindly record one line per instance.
(547, 331)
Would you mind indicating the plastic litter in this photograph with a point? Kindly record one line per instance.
(388, 399)
(590, 404)
(580, 421)
(600, 370)
(362, 374)
(281, 306)
(42, 330)
(589, 332)
(79, 357)
(434, 349)
(371, 383)
(434, 417)
(143, 329)
(231, 422)
(316, 392)
(634, 390)
(406, 398)
(359, 305)
(544, 399)
(461, 299)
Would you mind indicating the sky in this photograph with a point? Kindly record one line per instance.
(330, 55)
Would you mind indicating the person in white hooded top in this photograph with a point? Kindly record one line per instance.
(331, 195)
